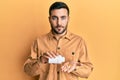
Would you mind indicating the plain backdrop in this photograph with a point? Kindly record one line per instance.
(97, 21)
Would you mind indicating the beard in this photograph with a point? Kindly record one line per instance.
(59, 29)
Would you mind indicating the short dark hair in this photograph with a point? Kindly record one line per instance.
(58, 5)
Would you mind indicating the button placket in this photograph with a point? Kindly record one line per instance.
(58, 45)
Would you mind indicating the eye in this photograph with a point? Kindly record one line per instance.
(54, 18)
(63, 17)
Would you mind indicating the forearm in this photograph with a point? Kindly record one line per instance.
(83, 70)
(31, 67)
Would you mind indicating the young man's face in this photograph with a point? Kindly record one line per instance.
(59, 20)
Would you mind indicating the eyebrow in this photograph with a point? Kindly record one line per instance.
(60, 16)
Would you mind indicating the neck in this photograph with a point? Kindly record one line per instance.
(58, 36)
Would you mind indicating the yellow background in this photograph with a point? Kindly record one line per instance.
(97, 21)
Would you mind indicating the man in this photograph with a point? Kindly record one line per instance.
(60, 54)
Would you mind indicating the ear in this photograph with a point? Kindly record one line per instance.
(68, 18)
(49, 18)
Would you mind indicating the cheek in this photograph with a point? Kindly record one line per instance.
(65, 22)
(53, 23)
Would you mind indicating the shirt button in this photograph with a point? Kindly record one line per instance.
(58, 72)
(74, 69)
(73, 53)
(58, 47)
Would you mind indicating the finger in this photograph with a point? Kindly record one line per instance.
(53, 54)
(65, 67)
(56, 54)
(70, 69)
(44, 60)
(45, 56)
(49, 54)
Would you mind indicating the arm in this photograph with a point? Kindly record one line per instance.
(83, 67)
(31, 66)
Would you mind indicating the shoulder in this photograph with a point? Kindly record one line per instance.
(78, 39)
(42, 37)
(75, 36)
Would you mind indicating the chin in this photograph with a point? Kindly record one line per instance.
(60, 32)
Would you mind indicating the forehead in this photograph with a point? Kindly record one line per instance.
(59, 12)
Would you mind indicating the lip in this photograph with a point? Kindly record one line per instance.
(59, 28)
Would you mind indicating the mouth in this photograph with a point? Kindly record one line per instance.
(59, 28)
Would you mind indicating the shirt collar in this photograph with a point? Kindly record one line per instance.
(66, 36)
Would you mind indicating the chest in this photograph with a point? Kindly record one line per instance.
(67, 48)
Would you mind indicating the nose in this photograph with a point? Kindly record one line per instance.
(58, 22)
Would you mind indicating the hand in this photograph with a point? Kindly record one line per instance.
(69, 66)
(47, 55)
